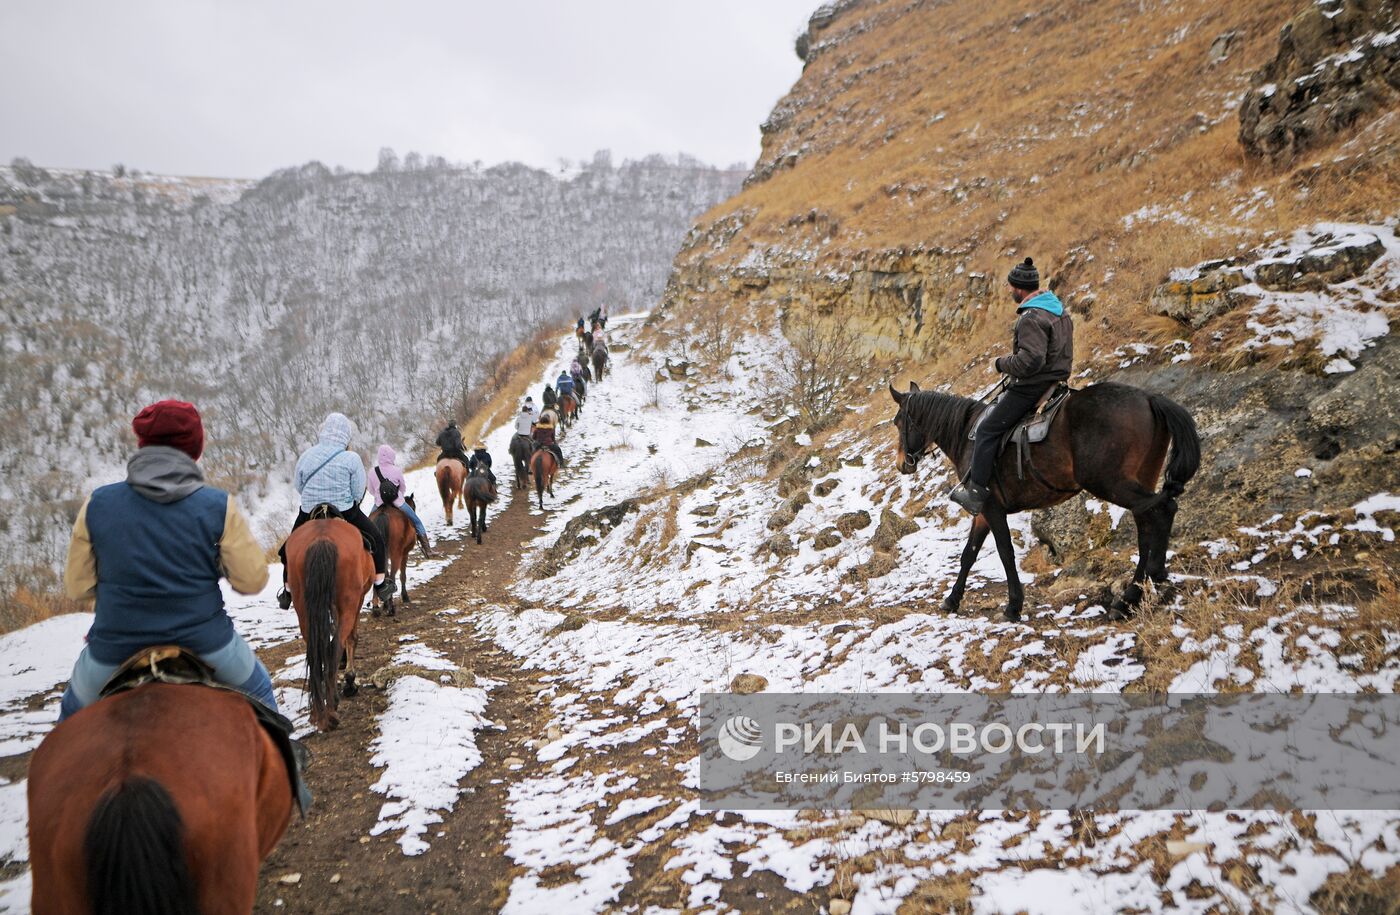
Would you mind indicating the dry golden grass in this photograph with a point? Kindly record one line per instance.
(24, 606)
(994, 130)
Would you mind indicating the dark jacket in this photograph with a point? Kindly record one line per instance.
(151, 551)
(450, 441)
(1042, 343)
(479, 456)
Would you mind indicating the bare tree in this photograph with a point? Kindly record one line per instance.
(817, 372)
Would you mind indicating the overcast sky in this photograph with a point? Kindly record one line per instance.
(242, 87)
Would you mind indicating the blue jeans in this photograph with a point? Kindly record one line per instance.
(417, 521)
(234, 665)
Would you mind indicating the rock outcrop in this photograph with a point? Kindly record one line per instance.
(1338, 62)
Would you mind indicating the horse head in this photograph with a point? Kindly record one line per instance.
(913, 440)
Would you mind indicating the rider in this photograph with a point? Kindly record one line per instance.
(480, 457)
(150, 551)
(386, 471)
(544, 438)
(549, 397)
(564, 384)
(450, 441)
(1042, 351)
(580, 389)
(330, 473)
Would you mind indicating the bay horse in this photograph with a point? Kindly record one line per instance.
(329, 571)
(600, 359)
(543, 467)
(480, 492)
(568, 408)
(1110, 440)
(165, 798)
(399, 540)
(450, 475)
(520, 447)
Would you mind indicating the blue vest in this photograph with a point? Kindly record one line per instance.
(158, 572)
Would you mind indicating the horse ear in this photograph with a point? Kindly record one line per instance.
(896, 394)
(913, 387)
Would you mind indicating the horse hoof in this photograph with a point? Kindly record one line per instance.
(1012, 614)
(374, 611)
(1119, 611)
(349, 690)
(949, 605)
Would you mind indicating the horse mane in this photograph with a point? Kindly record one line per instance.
(943, 418)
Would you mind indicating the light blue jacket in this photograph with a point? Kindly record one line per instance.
(326, 472)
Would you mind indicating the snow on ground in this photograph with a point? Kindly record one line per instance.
(675, 600)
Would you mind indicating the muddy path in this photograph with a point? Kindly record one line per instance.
(329, 861)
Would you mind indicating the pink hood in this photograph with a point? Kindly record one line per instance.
(385, 465)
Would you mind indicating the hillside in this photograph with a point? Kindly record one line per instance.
(268, 303)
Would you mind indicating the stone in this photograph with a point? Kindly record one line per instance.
(827, 487)
(1196, 301)
(850, 522)
(797, 502)
(571, 623)
(289, 879)
(780, 546)
(554, 732)
(747, 684)
(839, 907)
(1336, 66)
(826, 539)
(781, 518)
(893, 526)
(701, 443)
(1220, 47)
(1332, 263)
(706, 511)
(1070, 530)
(513, 761)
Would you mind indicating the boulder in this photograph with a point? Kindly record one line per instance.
(779, 546)
(781, 518)
(747, 684)
(1338, 63)
(826, 487)
(893, 527)
(1196, 300)
(826, 539)
(1070, 530)
(854, 521)
(1328, 261)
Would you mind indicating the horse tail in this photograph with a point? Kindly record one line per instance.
(537, 469)
(444, 481)
(1185, 458)
(135, 853)
(381, 522)
(322, 635)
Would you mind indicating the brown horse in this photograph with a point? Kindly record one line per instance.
(399, 539)
(163, 799)
(328, 572)
(543, 467)
(1109, 439)
(568, 408)
(600, 360)
(480, 492)
(450, 474)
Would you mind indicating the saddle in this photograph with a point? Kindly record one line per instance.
(1030, 430)
(173, 664)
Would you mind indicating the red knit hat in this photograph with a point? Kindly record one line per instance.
(173, 423)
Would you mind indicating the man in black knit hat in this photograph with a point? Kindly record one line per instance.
(1042, 351)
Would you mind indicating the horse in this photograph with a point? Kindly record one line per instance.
(550, 416)
(1109, 440)
(520, 447)
(587, 372)
(600, 359)
(399, 539)
(164, 798)
(568, 409)
(543, 467)
(450, 474)
(588, 340)
(329, 571)
(481, 492)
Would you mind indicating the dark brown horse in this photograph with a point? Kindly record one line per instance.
(328, 572)
(568, 408)
(543, 467)
(1109, 439)
(520, 447)
(480, 492)
(600, 360)
(450, 475)
(399, 539)
(162, 799)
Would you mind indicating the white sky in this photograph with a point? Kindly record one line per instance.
(241, 87)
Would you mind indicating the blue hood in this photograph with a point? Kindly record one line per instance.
(1045, 301)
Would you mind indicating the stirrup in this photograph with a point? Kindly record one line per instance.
(971, 497)
(284, 598)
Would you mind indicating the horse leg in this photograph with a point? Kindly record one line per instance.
(1166, 518)
(1015, 594)
(975, 538)
(351, 638)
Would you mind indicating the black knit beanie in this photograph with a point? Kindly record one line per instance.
(1024, 276)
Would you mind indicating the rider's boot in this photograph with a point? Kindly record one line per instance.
(284, 597)
(384, 589)
(971, 496)
(423, 542)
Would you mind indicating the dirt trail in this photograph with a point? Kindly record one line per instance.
(465, 870)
